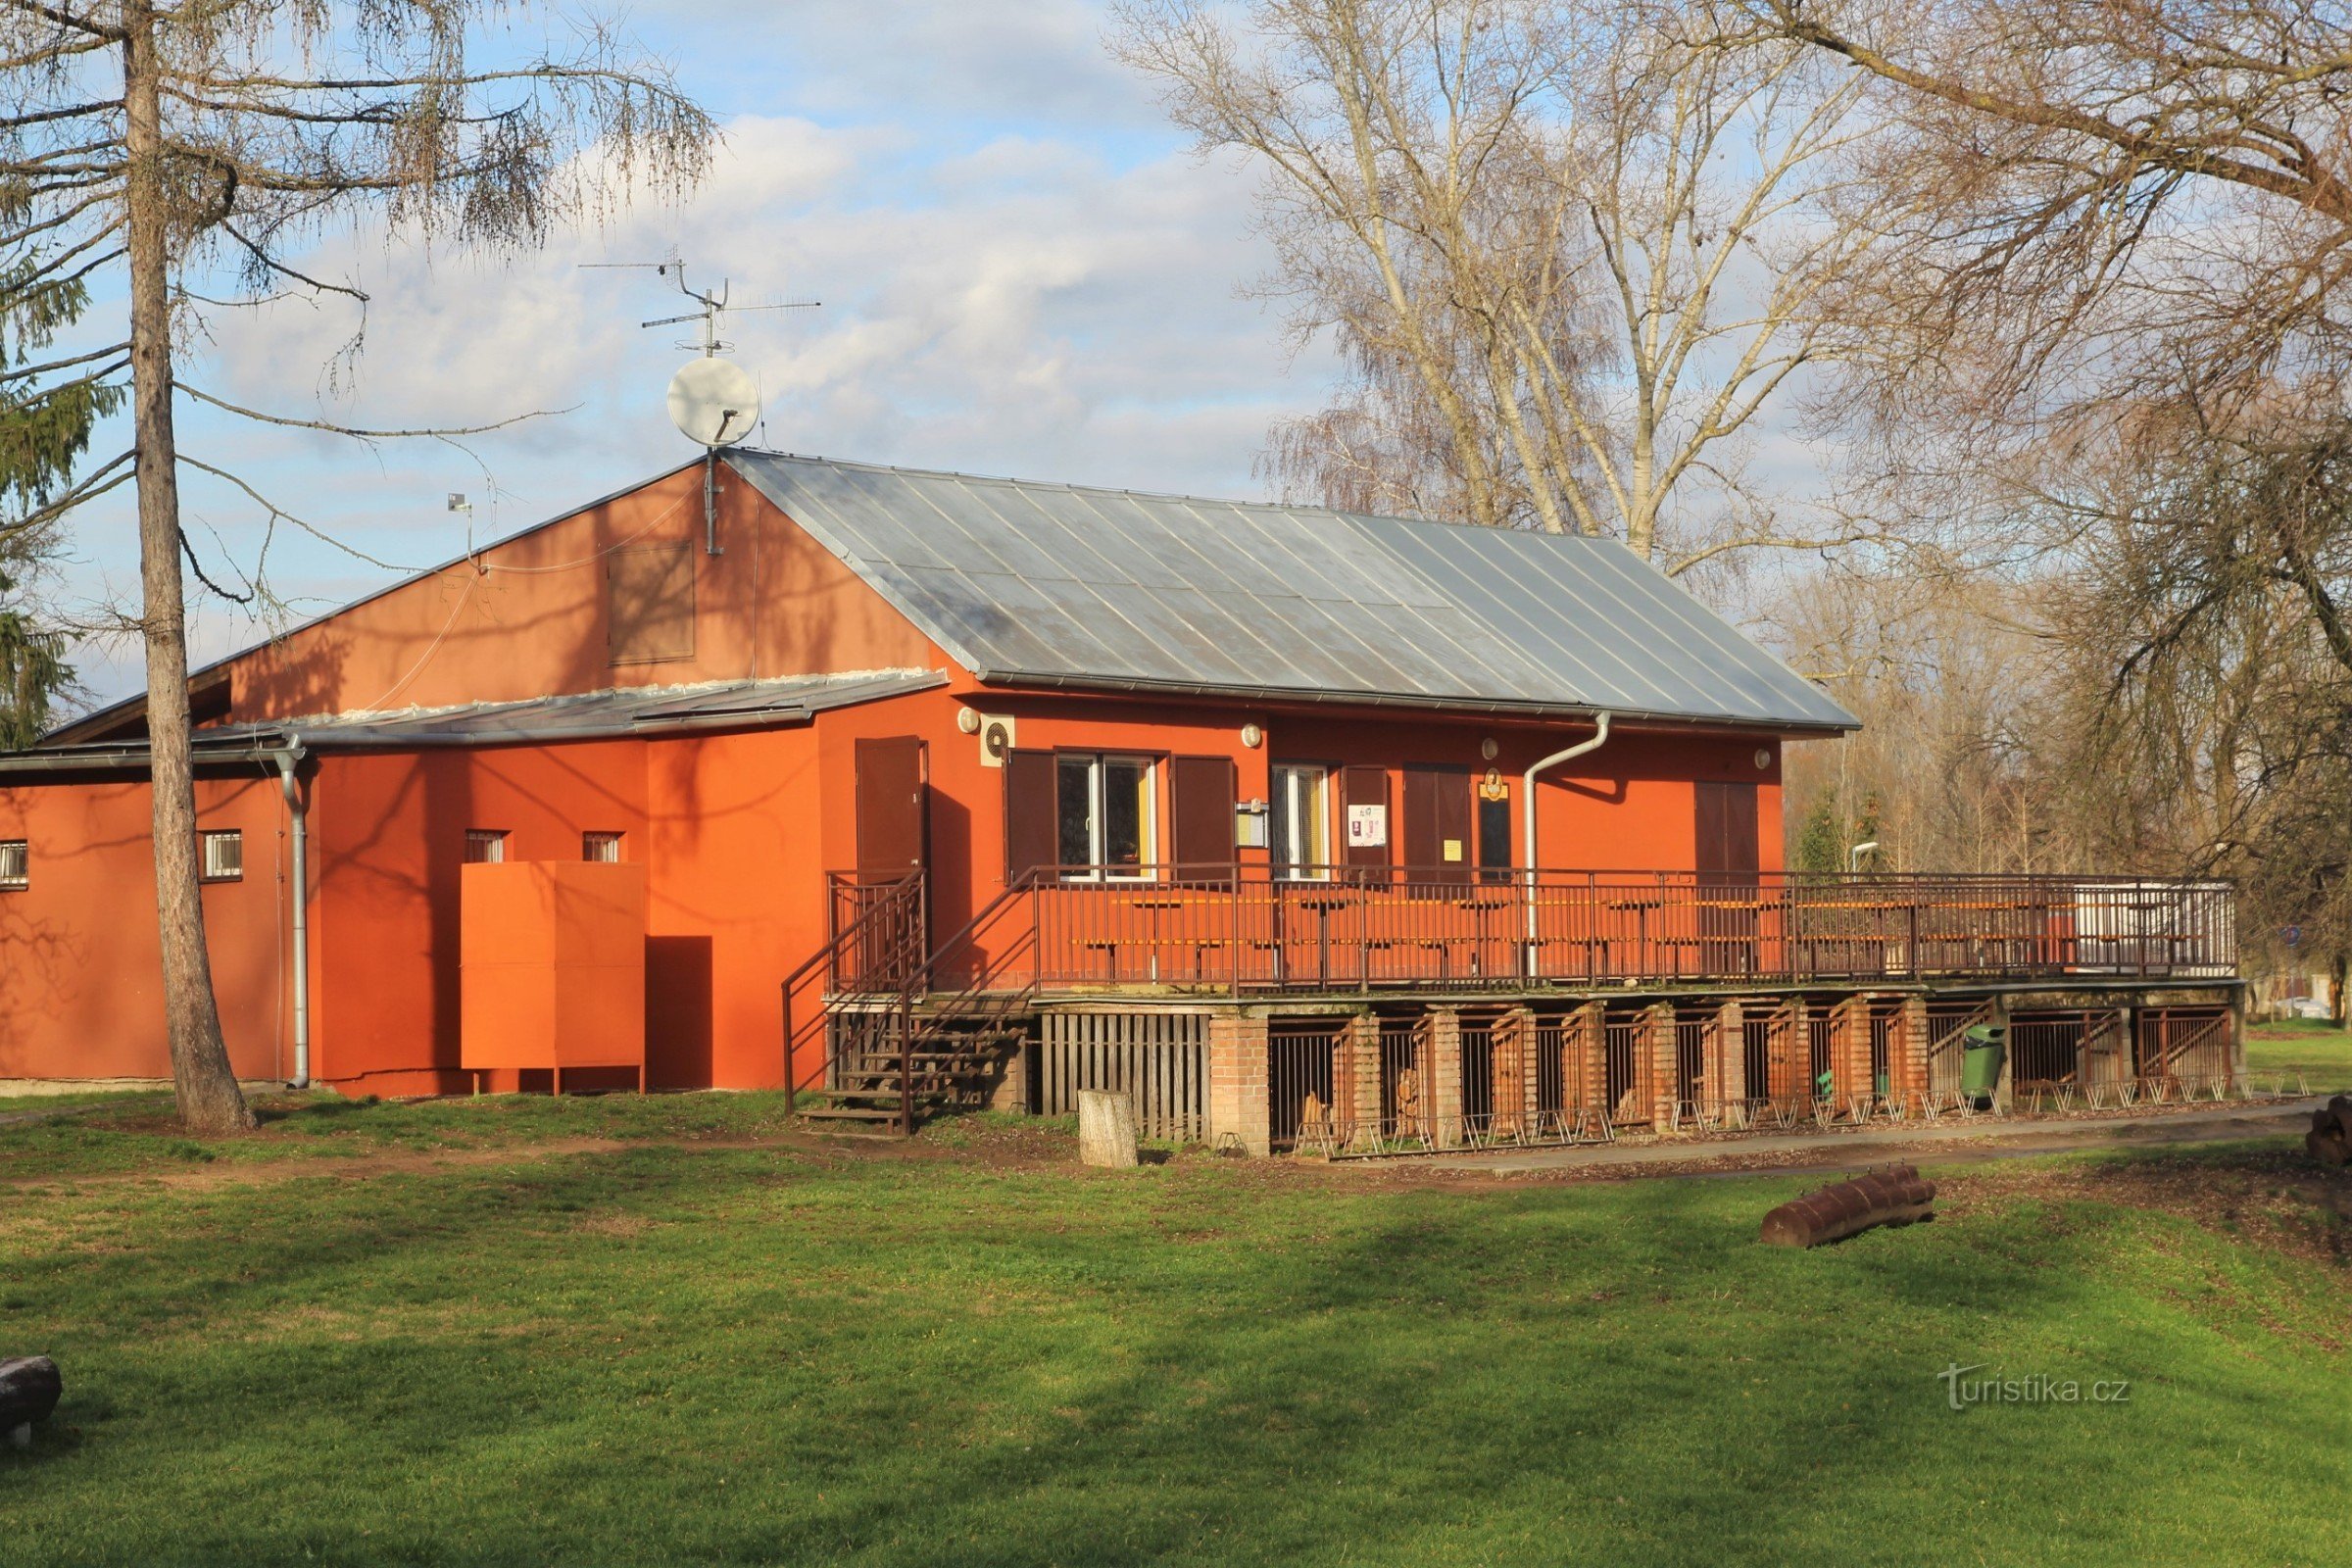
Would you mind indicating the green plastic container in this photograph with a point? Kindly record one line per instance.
(1981, 1061)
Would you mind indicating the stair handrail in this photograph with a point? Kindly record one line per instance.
(892, 904)
(918, 983)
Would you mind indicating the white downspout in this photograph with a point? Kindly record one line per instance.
(288, 760)
(1527, 812)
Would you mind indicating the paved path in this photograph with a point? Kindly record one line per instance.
(1941, 1142)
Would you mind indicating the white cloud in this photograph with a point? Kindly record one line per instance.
(1022, 303)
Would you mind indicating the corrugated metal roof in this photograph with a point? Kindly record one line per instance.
(1029, 584)
(621, 712)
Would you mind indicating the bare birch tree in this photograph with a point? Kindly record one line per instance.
(169, 144)
(1570, 259)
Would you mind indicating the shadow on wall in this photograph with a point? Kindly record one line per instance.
(678, 1012)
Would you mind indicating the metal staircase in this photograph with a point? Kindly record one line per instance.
(900, 1035)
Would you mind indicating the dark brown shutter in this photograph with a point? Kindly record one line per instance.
(1030, 839)
(1436, 824)
(1363, 785)
(1202, 794)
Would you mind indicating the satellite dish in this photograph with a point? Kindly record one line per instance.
(713, 402)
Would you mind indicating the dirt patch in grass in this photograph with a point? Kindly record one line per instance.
(2271, 1196)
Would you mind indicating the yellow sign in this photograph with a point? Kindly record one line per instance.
(1453, 850)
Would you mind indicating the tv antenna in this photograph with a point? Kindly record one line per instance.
(715, 402)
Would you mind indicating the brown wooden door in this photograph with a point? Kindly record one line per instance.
(893, 841)
(1201, 795)
(1727, 832)
(1726, 860)
(1436, 824)
(892, 793)
(1361, 790)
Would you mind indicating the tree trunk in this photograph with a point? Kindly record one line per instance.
(210, 1100)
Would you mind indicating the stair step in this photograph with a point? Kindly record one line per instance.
(848, 1113)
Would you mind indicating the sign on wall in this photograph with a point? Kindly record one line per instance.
(1368, 827)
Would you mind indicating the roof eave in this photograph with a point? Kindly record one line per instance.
(278, 741)
(1420, 701)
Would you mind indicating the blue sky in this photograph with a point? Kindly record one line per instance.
(1024, 271)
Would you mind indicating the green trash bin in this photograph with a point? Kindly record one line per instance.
(1981, 1061)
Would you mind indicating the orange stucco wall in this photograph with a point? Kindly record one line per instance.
(81, 995)
(735, 832)
(528, 619)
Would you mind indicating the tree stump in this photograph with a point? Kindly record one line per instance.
(1106, 1128)
(1895, 1195)
(30, 1388)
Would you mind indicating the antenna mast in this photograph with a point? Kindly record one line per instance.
(712, 400)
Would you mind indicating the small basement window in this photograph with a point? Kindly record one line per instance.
(15, 866)
(485, 846)
(224, 856)
(601, 847)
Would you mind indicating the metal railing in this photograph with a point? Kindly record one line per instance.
(1247, 929)
(850, 1015)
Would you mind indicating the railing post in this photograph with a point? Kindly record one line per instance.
(792, 1091)
(907, 1063)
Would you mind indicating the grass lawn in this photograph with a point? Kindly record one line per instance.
(661, 1331)
(2317, 1050)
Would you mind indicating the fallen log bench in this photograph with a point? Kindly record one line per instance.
(1897, 1195)
(29, 1388)
(2329, 1141)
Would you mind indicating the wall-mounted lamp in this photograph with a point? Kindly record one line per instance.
(1763, 757)
(1253, 737)
(968, 719)
(1490, 749)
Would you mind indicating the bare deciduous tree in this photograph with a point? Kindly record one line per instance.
(1569, 256)
(2113, 202)
(164, 141)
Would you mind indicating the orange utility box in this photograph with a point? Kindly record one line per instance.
(552, 954)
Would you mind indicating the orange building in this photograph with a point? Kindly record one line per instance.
(1014, 765)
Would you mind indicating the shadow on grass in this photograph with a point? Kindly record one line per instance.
(951, 1364)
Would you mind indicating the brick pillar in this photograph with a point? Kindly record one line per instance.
(1849, 1050)
(1658, 1037)
(2236, 1043)
(1907, 1063)
(1585, 1058)
(1237, 1079)
(1784, 1050)
(1729, 1074)
(1440, 1033)
(1514, 1072)
(1361, 1047)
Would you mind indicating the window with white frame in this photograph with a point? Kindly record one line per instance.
(600, 848)
(1300, 808)
(485, 846)
(224, 856)
(1105, 814)
(15, 866)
